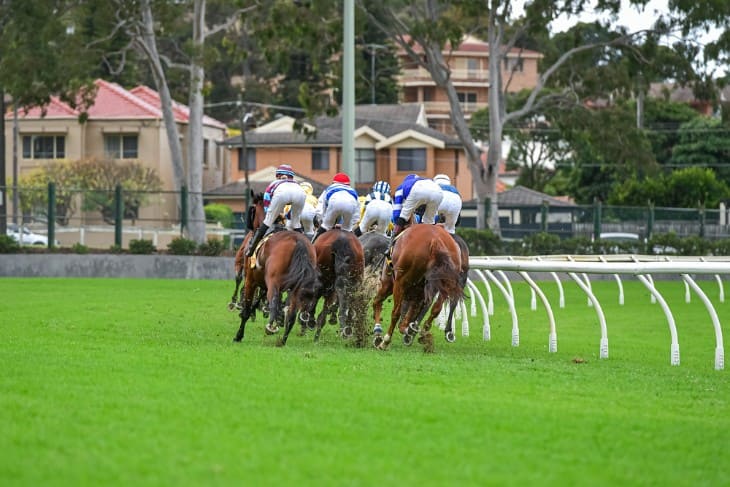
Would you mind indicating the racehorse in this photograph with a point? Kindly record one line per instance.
(254, 218)
(341, 265)
(374, 245)
(426, 269)
(284, 262)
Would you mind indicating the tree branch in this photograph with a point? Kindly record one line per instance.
(225, 25)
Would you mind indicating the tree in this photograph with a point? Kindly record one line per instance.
(703, 142)
(425, 29)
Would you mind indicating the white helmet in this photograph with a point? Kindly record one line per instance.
(442, 179)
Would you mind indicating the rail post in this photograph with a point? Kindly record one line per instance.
(51, 214)
(183, 209)
(118, 214)
(650, 221)
(596, 219)
(544, 216)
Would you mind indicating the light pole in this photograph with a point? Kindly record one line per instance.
(244, 119)
(372, 49)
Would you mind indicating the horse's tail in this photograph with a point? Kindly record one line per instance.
(443, 274)
(344, 259)
(302, 271)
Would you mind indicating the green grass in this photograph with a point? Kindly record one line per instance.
(137, 382)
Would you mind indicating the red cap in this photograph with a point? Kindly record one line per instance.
(341, 177)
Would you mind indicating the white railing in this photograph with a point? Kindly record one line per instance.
(491, 270)
(421, 74)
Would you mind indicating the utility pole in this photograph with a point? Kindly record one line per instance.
(244, 118)
(373, 49)
(3, 183)
(348, 92)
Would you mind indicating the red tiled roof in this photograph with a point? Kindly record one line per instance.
(114, 102)
(182, 112)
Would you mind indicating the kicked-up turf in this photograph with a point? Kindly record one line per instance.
(137, 382)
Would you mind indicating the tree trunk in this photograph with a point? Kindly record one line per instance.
(149, 47)
(196, 222)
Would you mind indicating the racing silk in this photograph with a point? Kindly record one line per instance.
(269, 193)
(377, 195)
(401, 193)
(449, 187)
(336, 188)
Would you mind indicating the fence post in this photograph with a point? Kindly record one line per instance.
(544, 216)
(701, 210)
(487, 211)
(183, 208)
(118, 214)
(51, 214)
(650, 221)
(596, 219)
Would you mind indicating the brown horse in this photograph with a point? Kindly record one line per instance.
(426, 270)
(341, 265)
(254, 218)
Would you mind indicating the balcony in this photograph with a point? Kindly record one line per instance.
(434, 108)
(420, 76)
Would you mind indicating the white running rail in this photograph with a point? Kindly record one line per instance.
(578, 267)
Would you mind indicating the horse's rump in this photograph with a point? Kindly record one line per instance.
(302, 272)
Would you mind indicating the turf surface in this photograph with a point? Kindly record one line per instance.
(137, 382)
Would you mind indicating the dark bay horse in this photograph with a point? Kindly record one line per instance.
(374, 245)
(426, 272)
(284, 263)
(341, 264)
(254, 218)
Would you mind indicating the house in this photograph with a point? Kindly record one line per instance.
(469, 64)
(391, 141)
(521, 212)
(123, 125)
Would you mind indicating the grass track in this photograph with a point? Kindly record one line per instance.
(136, 382)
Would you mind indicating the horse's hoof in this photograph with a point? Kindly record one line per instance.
(378, 341)
(237, 339)
(407, 340)
(346, 332)
(450, 337)
(271, 330)
(377, 330)
(311, 325)
(231, 306)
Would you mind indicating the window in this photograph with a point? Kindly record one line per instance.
(513, 64)
(120, 146)
(472, 67)
(320, 158)
(365, 165)
(412, 160)
(251, 159)
(44, 146)
(468, 99)
(206, 148)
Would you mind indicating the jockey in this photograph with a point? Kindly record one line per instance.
(281, 192)
(309, 212)
(450, 206)
(378, 209)
(412, 193)
(338, 200)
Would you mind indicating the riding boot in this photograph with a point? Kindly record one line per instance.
(397, 228)
(299, 230)
(357, 232)
(320, 231)
(260, 232)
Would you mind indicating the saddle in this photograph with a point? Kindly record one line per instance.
(275, 229)
(389, 250)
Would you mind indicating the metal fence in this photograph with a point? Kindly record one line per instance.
(101, 219)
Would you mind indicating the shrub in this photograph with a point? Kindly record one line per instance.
(116, 249)
(212, 248)
(481, 242)
(181, 246)
(141, 246)
(8, 245)
(542, 243)
(79, 248)
(216, 212)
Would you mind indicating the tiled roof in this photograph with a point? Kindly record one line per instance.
(258, 181)
(521, 196)
(114, 102)
(387, 120)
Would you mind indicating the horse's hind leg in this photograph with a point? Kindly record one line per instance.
(235, 301)
(290, 319)
(384, 290)
(274, 300)
(245, 314)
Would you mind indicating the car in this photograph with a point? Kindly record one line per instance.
(632, 243)
(28, 237)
